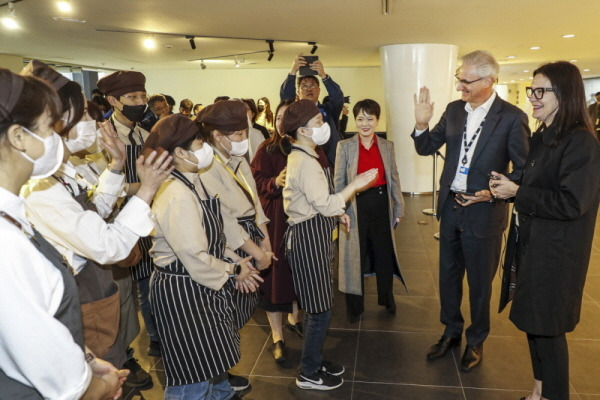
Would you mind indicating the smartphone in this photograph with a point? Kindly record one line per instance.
(464, 193)
(305, 70)
(494, 177)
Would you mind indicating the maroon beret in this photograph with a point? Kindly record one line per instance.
(298, 114)
(46, 73)
(226, 115)
(170, 132)
(122, 82)
(11, 86)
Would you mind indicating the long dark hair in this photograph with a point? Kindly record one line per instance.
(568, 87)
(35, 98)
(268, 113)
(276, 141)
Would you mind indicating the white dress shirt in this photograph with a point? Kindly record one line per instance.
(35, 348)
(78, 234)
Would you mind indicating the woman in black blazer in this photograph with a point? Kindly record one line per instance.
(557, 203)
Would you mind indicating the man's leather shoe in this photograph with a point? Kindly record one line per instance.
(471, 358)
(441, 347)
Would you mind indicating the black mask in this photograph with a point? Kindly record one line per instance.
(261, 108)
(134, 113)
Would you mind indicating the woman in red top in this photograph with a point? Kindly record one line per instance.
(373, 213)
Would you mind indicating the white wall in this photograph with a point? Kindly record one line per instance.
(202, 86)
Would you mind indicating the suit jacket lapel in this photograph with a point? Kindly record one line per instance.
(491, 120)
(353, 154)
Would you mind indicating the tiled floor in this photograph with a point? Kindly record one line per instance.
(384, 355)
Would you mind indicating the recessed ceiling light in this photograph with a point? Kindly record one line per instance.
(67, 19)
(586, 70)
(511, 56)
(64, 6)
(570, 35)
(512, 81)
(149, 43)
(573, 61)
(535, 48)
(525, 70)
(10, 21)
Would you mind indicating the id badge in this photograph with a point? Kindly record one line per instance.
(461, 178)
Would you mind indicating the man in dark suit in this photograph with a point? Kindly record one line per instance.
(482, 133)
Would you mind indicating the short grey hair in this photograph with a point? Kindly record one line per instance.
(486, 63)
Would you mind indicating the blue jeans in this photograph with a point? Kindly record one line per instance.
(315, 330)
(206, 390)
(143, 287)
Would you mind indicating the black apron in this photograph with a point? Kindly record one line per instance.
(144, 268)
(309, 250)
(68, 314)
(195, 323)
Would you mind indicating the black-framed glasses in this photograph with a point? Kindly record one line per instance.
(538, 93)
(466, 82)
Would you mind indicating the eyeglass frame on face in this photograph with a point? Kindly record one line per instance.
(466, 82)
(144, 97)
(529, 91)
(306, 87)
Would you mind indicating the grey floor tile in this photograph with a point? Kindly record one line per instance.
(413, 314)
(284, 388)
(370, 391)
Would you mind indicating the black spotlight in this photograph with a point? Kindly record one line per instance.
(192, 42)
(314, 47)
(271, 54)
(202, 65)
(271, 48)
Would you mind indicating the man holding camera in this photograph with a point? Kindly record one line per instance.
(309, 89)
(482, 133)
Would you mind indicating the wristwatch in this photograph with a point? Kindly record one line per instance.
(237, 269)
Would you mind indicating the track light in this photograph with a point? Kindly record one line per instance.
(10, 21)
(271, 47)
(314, 47)
(237, 63)
(271, 54)
(202, 65)
(192, 42)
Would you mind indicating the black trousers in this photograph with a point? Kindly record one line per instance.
(462, 251)
(550, 361)
(376, 247)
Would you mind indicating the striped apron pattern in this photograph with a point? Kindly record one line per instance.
(144, 268)
(309, 250)
(246, 302)
(196, 324)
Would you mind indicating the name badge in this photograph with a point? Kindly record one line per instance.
(461, 178)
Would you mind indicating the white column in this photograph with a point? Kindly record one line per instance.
(406, 68)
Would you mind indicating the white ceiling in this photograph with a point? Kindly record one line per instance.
(348, 32)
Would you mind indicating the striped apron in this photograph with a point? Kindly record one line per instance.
(195, 323)
(245, 303)
(144, 268)
(309, 250)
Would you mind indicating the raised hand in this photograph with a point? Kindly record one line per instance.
(115, 147)
(423, 108)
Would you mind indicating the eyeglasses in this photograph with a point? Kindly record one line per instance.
(466, 82)
(306, 87)
(538, 93)
(143, 97)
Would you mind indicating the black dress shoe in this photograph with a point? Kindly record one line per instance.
(391, 309)
(279, 351)
(297, 328)
(471, 358)
(441, 347)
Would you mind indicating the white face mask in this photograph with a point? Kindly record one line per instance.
(238, 148)
(321, 134)
(86, 136)
(204, 155)
(52, 158)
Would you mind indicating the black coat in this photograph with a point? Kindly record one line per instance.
(557, 204)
